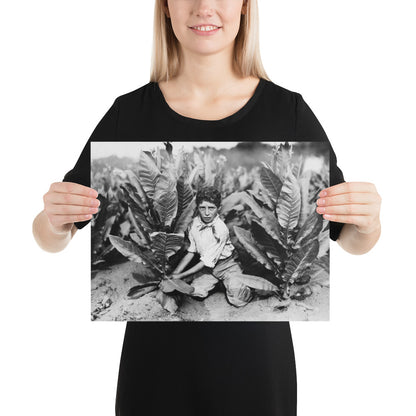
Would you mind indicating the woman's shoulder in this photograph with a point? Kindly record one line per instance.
(136, 106)
(279, 88)
(280, 93)
(141, 93)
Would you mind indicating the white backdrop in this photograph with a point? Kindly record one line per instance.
(65, 62)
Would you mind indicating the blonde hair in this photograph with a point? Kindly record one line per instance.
(165, 62)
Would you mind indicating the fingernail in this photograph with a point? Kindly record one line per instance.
(322, 193)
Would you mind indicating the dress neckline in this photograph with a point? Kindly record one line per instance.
(226, 120)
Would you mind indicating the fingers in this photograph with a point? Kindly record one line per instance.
(348, 204)
(69, 202)
(355, 203)
(73, 188)
(348, 187)
(71, 209)
(350, 209)
(349, 198)
(363, 222)
(57, 199)
(60, 220)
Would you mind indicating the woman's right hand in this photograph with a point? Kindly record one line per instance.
(69, 202)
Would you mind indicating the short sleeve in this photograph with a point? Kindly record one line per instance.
(308, 127)
(106, 130)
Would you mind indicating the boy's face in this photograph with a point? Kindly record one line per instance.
(207, 211)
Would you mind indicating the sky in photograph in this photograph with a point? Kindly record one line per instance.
(132, 149)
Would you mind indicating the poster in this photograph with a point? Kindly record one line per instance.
(209, 231)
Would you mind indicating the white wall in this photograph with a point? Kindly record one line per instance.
(65, 62)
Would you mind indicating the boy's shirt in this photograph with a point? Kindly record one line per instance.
(211, 241)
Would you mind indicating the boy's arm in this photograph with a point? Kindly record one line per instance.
(187, 258)
(184, 262)
(190, 271)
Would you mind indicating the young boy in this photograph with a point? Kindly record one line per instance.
(209, 236)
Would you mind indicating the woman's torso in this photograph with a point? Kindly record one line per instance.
(217, 367)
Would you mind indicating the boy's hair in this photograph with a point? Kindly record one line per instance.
(210, 194)
(166, 60)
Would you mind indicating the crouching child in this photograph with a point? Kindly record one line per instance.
(210, 238)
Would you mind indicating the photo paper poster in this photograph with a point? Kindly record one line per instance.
(209, 231)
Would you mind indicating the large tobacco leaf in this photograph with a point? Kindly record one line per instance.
(289, 203)
(271, 182)
(127, 249)
(246, 239)
(166, 199)
(148, 173)
(309, 230)
(301, 260)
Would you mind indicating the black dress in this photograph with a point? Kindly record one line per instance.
(207, 368)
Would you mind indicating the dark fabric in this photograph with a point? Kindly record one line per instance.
(273, 113)
(207, 368)
(307, 125)
(106, 130)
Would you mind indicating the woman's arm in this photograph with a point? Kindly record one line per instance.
(51, 239)
(354, 242)
(65, 203)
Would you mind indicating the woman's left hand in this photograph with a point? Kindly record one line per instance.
(356, 203)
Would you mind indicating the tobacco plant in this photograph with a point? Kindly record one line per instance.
(110, 217)
(161, 203)
(286, 236)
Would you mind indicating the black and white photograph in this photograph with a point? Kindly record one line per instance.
(209, 231)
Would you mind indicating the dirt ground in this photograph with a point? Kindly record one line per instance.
(109, 302)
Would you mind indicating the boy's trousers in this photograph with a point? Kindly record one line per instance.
(239, 287)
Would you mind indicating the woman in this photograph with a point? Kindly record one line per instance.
(208, 83)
